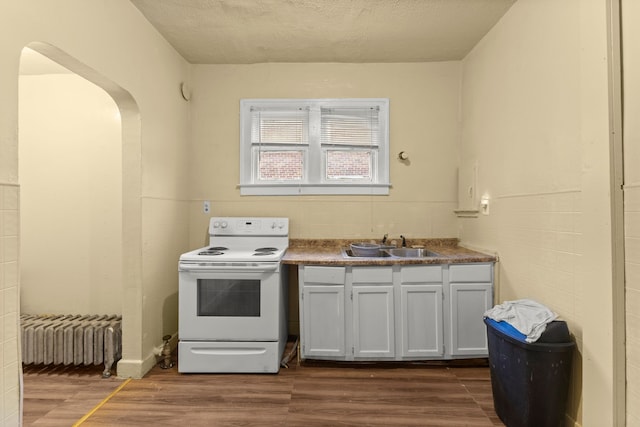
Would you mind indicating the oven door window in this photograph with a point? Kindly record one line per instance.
(228, 298)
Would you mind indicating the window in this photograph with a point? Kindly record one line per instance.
(314, 146)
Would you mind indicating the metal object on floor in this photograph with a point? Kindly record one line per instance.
(293, 352)
(166, 362)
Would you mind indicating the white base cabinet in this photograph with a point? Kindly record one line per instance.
(421, 307)
(322, 304)
(373, 312)
(468, 302)
(399, 312)
(422, 330)
(471, 294)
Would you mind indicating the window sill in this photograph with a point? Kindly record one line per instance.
(313, 190)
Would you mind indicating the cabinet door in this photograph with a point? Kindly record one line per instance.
(469, 301)
(422, 330)
(323, 321)
(373, 323)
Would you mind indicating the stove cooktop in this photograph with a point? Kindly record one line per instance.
(223, 254)
(242, 239)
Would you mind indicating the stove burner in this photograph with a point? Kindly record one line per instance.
(210, 252)
(262, 253)
(217, 248)
(267, 249)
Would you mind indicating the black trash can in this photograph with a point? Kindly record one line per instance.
(530, 381)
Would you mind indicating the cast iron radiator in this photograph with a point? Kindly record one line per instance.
(71, 340)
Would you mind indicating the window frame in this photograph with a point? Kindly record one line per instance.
(314, 182)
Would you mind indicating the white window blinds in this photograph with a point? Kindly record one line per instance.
(355, 126)
(280, 127)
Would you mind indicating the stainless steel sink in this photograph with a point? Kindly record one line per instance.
(394, 253)
(380, 254)
(411, 252)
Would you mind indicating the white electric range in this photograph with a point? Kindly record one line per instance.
(233, 298)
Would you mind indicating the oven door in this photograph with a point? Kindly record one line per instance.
(218, 303)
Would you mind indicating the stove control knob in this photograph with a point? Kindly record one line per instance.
(273, 226)
(216, 224)
(281, 225)
(224, 224)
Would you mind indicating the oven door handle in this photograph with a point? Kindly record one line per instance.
(228, 267)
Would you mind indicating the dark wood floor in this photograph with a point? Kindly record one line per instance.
(311, 394)
(60, 396)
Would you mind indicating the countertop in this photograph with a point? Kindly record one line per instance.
(330, 252)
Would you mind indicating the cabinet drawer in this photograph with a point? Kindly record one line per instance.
(372, 274)
(324, 275)
(470, 273)
(421, 274)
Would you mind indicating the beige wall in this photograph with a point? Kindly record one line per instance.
(112, 45)
(535, 120)
(71, 197)
(424, 108)
(631, 61)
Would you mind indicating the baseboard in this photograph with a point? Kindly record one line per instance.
(133, 368)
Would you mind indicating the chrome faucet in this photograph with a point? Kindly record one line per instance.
(404, 241)
(384, 239)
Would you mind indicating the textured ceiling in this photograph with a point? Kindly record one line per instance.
(254, 31)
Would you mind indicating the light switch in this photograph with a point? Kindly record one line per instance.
(206, 206)
(484, 205)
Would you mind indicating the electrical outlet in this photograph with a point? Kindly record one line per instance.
(206, 206)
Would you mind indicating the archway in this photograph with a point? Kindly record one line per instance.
(126, 215)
